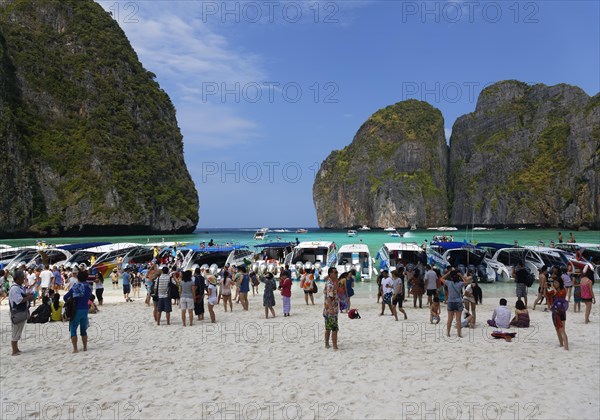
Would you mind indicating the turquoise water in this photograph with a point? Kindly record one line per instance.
(374, 239)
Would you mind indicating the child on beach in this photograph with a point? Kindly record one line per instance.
(434, 311)
(92, 308)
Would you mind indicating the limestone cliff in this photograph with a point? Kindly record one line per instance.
(392, 174)
(89, 140)
(527, 155)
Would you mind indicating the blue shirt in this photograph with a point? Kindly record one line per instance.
(81, 292)
(126, 278)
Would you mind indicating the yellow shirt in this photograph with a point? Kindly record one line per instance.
(56, 313)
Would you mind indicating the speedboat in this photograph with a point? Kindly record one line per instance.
(40, 255)
(396, 234)
(281, 231)
(352, 233)
(389, 229)
(8, 254)
(504, 260)
(413, 227)
(583, 252)
(465, 257)
(301, 231)
(319, 255)
(106, 262)
(364, 227)
(271, 256)
(87, 256)
(216, 255)
(394, 254)
(355, 256)
(446, 229)
(261, 234)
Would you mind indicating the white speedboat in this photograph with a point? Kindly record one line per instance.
(352, 233)
(301, 231)
(389, 229)
(413, 227)
(261, 234)
(393, 254)
(395, 234)
(446, 229)
(364, 227)
(319, 255)
(355, 256)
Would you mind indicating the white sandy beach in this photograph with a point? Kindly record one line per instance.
(246, 367)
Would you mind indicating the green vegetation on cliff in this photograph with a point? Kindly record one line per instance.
(99, 132)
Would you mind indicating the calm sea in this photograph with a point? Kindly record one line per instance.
(374, 239)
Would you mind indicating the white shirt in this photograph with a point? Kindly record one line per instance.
(430, 280)
(398, 286)
(387, 285)
(31, 282)
(72, 281)
(502, 316)
(46, 276)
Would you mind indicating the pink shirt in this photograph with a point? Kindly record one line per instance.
(286, 287)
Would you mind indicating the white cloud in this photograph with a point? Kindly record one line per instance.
(184, 52)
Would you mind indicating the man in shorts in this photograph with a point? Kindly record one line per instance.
(127, 285)
(520, 274)
(331, 307)
(430, 283)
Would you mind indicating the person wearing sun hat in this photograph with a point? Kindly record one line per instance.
(211, 291)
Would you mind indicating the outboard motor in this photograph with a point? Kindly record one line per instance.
(462, 268)
(473, 271)
(482, 273)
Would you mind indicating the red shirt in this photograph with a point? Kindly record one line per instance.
(286, 287)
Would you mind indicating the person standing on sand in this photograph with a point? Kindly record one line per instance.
(114, 277)
(455, 281)
(331, 307)
(520, 274)
(200, 290)
(418, 288)
(286, 292)
(387, 288)
(99, 282)
(350, 285)
(398, 293)
(226, 290)
(211, 292)
(587, 293)
(18, 301)
(307, 284)
(559, 311)
(244, 287)
(151, 275)
(543, 278)
(186, 300)
(81, 293)
(161, 289)
(127, 285)
(430, 284)
(567, 281)
(269, 294)
(343, 292)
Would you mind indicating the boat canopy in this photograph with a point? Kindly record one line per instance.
(494, 245)
(452, 245)
(77, 247)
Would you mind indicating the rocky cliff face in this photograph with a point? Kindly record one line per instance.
(392, 174)
(528, 154)
(90, 142)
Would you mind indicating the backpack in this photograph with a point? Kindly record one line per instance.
(530, 279)
(70, 307)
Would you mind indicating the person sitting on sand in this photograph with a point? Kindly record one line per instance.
(92, 308)
(434, 311)
(467, 319)
(501, 316)
(42, 314)
(56, 307)
(521, 318)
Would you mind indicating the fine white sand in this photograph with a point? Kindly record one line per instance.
(247, 367)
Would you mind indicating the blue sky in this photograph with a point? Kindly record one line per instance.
(264, 91)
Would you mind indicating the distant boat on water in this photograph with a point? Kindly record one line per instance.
(301, 231)
(352, 233)
(364, 227)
